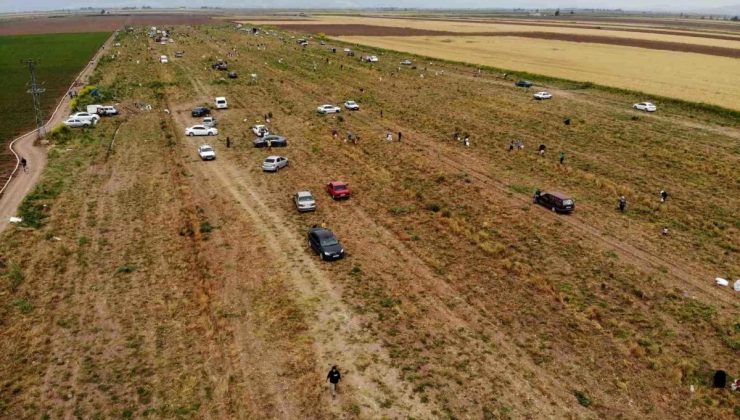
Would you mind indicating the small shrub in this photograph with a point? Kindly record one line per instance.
(24, 306)
(15, 275)
(582, 398)
(206, 227)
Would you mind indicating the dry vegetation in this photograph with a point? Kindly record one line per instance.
(156, 284)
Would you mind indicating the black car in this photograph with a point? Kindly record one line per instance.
(275, 141)
(200, 111)
(232, 75)
(524, 83)
(555, 201)
(219, 66)
(324, 243)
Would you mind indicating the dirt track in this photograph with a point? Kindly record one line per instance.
(22, 183)
(374, 30)
(95, 23)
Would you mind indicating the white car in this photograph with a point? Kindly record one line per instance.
(543, 95)
(221, 103)
(107, 110)
(76, 122)
(371, 58)
(86, 116)
(645, 106)
(304, 201)
(210, 122)
(328, 109)
(274, 163)
(352, 106)
(201, 130)
(163, 59)
(406, 62)
(260, 130)
(206, 152)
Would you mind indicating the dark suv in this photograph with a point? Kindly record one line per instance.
(555, 201)
(200, 111)
(324, 243)
(524, 83)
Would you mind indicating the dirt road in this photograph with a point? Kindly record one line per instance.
(21, 183)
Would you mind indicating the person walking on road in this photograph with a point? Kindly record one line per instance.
(333, 377)
(24, 164)
(622, 203)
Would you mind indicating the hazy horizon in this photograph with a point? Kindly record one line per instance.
(629, 5)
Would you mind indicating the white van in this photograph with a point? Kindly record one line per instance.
(93, 109)
(221, 103)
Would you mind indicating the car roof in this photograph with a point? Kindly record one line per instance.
(322, 232)
(335, 183)
(218, 98)
(559, 195)
(304, 194)
(273, 157)
(206, 145)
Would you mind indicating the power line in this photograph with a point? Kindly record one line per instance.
(36, 92)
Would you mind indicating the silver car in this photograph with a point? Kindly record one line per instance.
(304, 201)
(274, 163)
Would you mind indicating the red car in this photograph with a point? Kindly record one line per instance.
(338, 189)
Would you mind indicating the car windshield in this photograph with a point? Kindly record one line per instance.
(340, 187)
(329, 241)
(269, 160)
(305, 198)
(568, 202)
(206, 149)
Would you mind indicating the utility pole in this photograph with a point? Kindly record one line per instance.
(36, 92)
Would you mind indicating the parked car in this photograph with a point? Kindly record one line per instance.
(201, 130)
(107, 110)
(232, 75)
(328, 109)
(219, 65)
(352, 106)
(524, 83)
(542, 95)
(260, 130)
(274, 163)
(406, 62)
(206, 152)
(338, 189)
(163, 59)
(645, 106)
(210, 122)
(555, 201)
(221, 103)
(325, 243)
(86, 116)
(179, 54)
(275, 141)
(73, 122)
(370, 58)
(200, 111)
(93, 109)
(304, 201)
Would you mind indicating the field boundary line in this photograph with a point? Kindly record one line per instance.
(51, 117)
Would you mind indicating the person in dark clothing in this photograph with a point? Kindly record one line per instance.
(24, 164)
(622, 203)
(536, 197)
(381, 113)
(663, 196)
(228, 142)
(542, 149)
(511, 146)
(399, 136)
(334, 377)
(562, 157)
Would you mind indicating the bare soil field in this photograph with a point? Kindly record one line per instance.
(95, 23)
(160, 285)
(371, 30)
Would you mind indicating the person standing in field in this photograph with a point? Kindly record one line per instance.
(622, 203)
(400, 136)
(334, 377)
(562, 157)
(269, 144)
(467, 141)
(228, 142)
(389, 137)
(663, 196)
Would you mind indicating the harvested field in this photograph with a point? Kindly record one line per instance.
(156, 284)
(468, 28)
(370, 30)
(95, 23)
(691, 77)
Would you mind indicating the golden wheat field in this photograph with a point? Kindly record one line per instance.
(692, 77)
